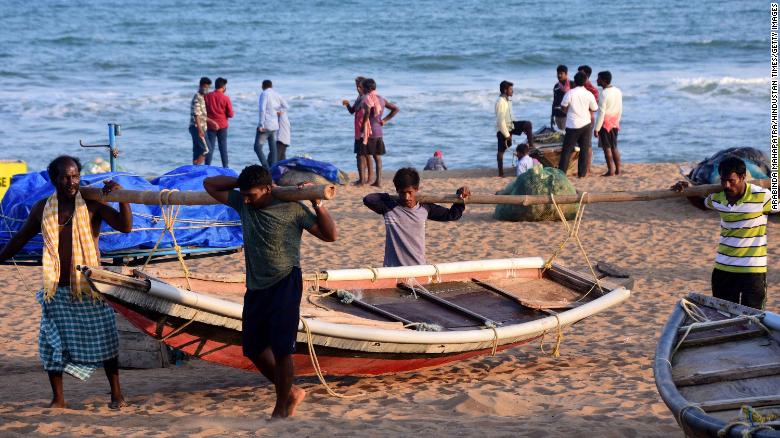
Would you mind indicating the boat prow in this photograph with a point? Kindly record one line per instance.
(717, 368)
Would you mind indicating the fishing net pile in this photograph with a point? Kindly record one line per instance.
(537, 181)
(756, 162)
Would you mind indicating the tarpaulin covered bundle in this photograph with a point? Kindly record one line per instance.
(537, 181)
(296, 170)
(204, 226)
(756, 162)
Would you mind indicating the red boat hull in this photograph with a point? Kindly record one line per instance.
(332, 362)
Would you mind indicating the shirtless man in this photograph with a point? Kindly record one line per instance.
(85, 329)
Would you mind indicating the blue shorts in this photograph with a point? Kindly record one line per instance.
(270, 316)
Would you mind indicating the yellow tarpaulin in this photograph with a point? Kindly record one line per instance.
(9, 168)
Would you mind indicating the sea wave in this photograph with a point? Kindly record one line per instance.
(723, 86)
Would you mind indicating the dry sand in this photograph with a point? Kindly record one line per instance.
(602, 385)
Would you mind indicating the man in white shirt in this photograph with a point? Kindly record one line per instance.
(270, 107)
(579, 105)
(608, 122)
(506, 125)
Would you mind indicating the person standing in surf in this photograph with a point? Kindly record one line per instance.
(272, 250)
(608, 122)
(219, 109)
(359, 149)
(78, 329)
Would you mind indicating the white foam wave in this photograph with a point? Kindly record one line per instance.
(723, 85)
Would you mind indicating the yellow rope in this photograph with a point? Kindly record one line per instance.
(375, 272)
(556, 352)
(495, 340)
(573, 231)
(182, 327)
(169, 214)
(437, 278)
(315, 363)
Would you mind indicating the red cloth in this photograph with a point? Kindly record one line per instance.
(219, 108)
(588, 86)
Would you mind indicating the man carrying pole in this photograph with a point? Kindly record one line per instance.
(740, 263)
(78, 330)
(272, 245)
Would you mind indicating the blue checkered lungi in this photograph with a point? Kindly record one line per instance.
(76, 336)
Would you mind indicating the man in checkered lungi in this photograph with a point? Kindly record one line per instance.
(78, 330)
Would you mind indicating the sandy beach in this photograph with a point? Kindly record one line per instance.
(602, 385)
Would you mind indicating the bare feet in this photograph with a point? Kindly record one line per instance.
(297, 395)
(57, 404)
(607, 174)
(358, 183)
(117, 404)
(376, 184)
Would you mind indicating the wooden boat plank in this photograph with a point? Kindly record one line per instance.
(730, 373)
(472, 296)
(711, 325)
(718, 338)
(449, 304)
(728, 355)
(742, 388)
(737, 403)
(510, 296)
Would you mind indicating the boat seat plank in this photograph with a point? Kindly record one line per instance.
(737, 403)
(717, 338)
(472, 296)
(742, 388)
(711, 325)
(731, 373)
(732, 354)
(542, 306)
(449, 304)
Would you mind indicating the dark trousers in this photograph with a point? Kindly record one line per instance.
(748, 289)
(519, 127)
(281, 150)
(214, 137)
(576, 137)
(199, 147)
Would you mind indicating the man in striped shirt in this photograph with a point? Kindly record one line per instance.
(740, 264)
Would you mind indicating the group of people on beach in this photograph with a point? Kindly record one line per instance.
(574, 106)
(209, 114)
(78, 329)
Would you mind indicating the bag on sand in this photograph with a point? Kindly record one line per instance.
(537, 181)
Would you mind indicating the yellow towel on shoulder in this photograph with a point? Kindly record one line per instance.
(85, 250)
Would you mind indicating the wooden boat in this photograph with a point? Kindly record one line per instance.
(377, 320)
(548, 146)
(717, 368)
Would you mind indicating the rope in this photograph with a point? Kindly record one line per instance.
(495, 340)
(375, 272)
(437, 278)
(169, 214)
(13, 259)
(556, 351)
(685, 408)
(573, 231)
(182, 327)
(315, 363)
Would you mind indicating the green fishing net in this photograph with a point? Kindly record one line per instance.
(537, 181)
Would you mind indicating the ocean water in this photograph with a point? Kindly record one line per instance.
(695, 76)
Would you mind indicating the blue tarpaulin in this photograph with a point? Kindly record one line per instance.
(203, 226)
(321, 168)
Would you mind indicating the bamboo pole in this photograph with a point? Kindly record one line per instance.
(150, 197)
(590, 198)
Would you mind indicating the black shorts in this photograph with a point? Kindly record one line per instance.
(375, 146)
(503, 142)
(608, 139)
(270, 317)
(360, 148)
(748, 289)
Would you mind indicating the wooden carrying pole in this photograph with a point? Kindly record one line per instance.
(150, 197)
(590, 198)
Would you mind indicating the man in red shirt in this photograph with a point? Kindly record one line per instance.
(588, 85)
(219, 110)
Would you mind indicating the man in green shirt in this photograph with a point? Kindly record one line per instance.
(272, 243)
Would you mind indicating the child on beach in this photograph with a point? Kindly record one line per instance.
(436, 162)
(524, 161)
(405, 218)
